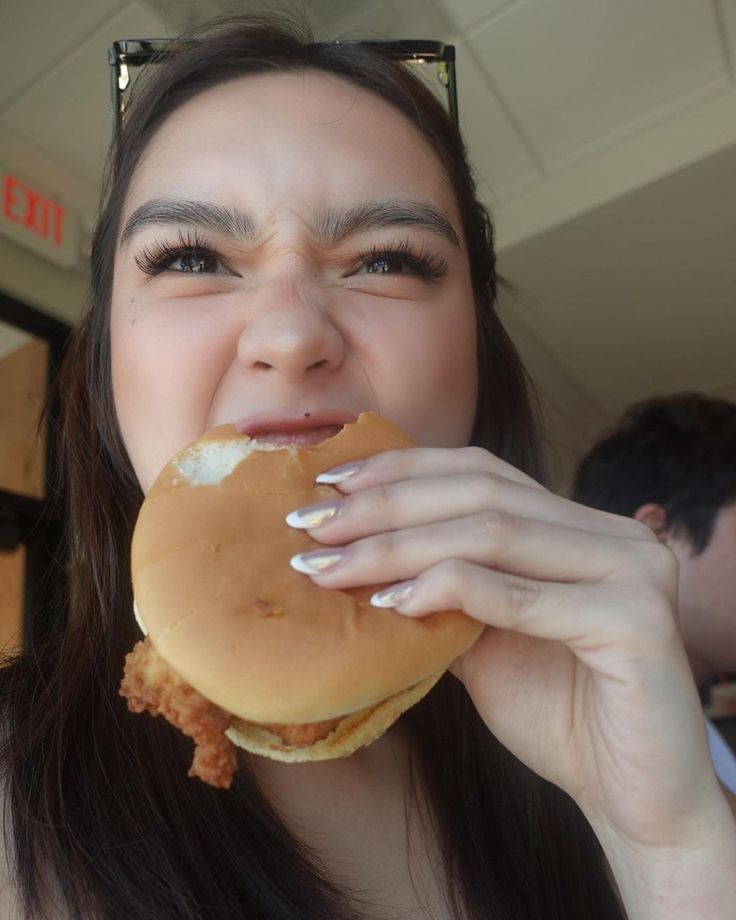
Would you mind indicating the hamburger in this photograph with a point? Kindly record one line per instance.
(242, 651)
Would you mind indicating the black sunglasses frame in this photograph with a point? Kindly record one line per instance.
(137, 52)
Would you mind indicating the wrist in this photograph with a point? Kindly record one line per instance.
(679, 880)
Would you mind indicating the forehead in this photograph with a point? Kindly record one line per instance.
(306, 135)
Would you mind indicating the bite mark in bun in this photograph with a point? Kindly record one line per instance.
(301, 672)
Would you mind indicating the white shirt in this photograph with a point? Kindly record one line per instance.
(724, 760)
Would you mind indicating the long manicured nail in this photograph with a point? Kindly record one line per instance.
(394, 595)
(341, 473)
(317, 562)
(313, 515)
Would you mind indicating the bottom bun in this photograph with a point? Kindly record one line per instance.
(353, 731)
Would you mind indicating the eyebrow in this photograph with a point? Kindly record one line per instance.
(331, 225)
(180, 211)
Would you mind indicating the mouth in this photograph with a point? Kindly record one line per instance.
(282, 428)
(298, 438)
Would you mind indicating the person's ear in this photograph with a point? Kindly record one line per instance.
(655, 517)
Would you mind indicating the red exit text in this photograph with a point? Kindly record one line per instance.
(30, 209)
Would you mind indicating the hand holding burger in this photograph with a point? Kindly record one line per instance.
(242, 650)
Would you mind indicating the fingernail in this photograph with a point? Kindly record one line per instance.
(317, 562)
(313, 515)
(393, 596)
(341, 473)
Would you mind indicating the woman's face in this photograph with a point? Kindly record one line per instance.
(290, 255)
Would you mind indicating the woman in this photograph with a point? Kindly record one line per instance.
(291, 229)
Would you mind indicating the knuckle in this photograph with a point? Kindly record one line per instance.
(452, 570)
(658, 563)
(490, 485)
(392, 462)
(650, 590)
(522, 594)
(381, 548)
(494, 528)
(378, 502)
(477, 455)
(450, 577)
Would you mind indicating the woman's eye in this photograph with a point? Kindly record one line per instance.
(386, 264)
(195, 262)
(401, 261)
(188, 258)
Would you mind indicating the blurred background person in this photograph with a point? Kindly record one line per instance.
(670, 462)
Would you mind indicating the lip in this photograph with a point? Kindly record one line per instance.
(294, 426)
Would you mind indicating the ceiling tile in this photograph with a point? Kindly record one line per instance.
(497, 152)
(637, 296)
(37, 34)
(178, 16)
(467, 13)
(377, 19)
(578, 75)
(328, 18)
(182, 15)
(421, 19)
(67, 113)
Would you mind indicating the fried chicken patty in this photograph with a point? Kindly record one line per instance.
(301, 735)
(150, 685)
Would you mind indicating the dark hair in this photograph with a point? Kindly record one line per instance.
(676, 451)
(102, 810)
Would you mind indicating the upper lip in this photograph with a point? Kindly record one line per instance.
(293, 421)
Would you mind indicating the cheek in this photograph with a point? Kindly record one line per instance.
(708, 606)
(428, 376)
(164, 373)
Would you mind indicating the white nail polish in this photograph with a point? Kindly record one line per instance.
(317, 562)
(340, 473)
(393, 596)
(313, 515)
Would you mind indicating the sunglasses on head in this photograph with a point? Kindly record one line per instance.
(434, 60)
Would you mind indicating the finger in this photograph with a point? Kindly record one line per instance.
(417, 462)
(415, 502)
(581, 616)
(515, 545)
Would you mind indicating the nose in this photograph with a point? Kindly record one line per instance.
(289, 329)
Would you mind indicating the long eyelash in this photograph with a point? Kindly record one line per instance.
(158, 256)
(426, 264)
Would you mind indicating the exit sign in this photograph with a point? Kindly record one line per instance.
(38, 221)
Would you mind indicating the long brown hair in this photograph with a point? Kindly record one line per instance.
(101, 810)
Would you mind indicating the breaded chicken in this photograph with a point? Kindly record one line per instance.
(150, 685)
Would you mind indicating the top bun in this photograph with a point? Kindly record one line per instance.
(216, 594)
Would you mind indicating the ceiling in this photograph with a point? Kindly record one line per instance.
(603, 135)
